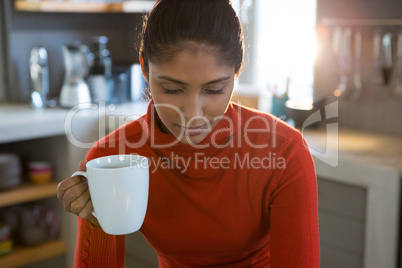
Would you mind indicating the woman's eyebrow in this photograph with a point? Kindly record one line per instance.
(217, 80)
(168, 78)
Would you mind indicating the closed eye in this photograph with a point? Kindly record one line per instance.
(178, 91)
(211, 91)
(172, 91)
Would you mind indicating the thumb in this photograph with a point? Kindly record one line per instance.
(82, 166)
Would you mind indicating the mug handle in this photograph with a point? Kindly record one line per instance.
(84, 174)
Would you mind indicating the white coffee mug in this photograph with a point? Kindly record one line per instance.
(118, 185)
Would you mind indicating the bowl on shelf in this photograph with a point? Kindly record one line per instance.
(39, 172)
(10, 171)
(32, 235)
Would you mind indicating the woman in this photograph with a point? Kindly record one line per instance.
(240, 189)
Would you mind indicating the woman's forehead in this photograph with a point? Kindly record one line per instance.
(194, 56)
(196, 62)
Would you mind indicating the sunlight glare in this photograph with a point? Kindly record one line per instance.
(287, 44)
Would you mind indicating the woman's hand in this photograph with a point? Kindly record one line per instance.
(74, 194)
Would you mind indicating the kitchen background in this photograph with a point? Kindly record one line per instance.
(25, 30)
(355, 229)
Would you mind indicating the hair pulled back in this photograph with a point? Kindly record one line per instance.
(175, 25)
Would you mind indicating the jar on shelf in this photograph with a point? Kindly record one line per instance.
(6, 242)
(39, 172)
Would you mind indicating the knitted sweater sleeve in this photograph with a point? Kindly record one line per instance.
(293, 211)
(95, 248)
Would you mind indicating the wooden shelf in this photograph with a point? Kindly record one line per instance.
(26, 255)
(84, 7)
(27, 192)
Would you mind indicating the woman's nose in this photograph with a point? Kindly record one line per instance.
(193, 109)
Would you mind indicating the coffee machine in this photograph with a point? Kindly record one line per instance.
(78, 60)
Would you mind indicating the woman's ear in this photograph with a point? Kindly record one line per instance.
(144, 72)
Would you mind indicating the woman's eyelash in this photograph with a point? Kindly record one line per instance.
(219, 91)
(168, 91)
(177, 91)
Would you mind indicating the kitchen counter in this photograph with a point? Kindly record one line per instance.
(22, 122)
(357, 147)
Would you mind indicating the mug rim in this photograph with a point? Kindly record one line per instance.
(141, 159)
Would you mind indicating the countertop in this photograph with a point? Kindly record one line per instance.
(22, 122)
(356, 146)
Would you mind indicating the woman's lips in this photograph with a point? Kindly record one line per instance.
(192, 131)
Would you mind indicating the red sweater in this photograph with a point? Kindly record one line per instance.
(248, 201)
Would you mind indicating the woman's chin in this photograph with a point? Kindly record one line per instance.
(191, 139)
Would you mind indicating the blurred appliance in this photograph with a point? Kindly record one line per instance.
(129, 84)
(100, 80)
(387, 58)
(78, 60)
(121, 76)
(398, 72)
(39, 77)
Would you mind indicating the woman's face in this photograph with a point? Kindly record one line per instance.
(191, 92)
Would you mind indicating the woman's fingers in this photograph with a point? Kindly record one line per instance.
(86, 211)
(80, 205)
(66, 184)
(75, 195)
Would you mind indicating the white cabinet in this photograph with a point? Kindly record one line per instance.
(359, 199)
(359, 208)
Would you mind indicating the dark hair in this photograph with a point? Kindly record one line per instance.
(175, 25)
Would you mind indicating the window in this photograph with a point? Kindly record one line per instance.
(280, 43)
